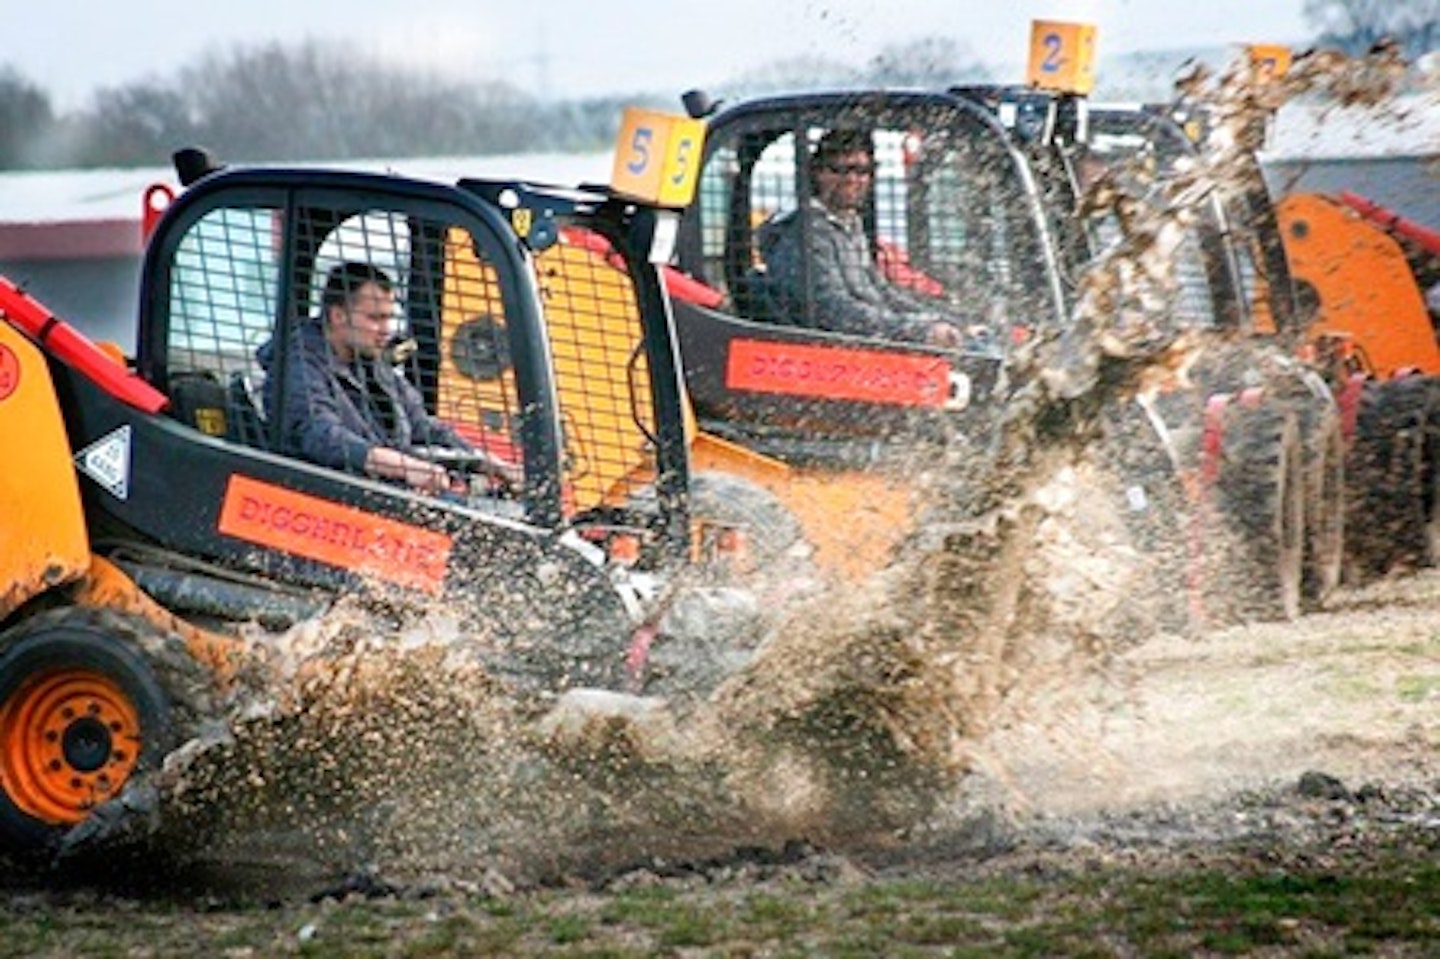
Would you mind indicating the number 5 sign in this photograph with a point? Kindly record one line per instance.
(657, 156)
(1062, 56)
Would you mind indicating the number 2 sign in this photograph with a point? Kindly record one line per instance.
(1062, 56)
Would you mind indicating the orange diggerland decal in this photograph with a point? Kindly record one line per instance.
(837, 373)
(9, 371)
(343, 536)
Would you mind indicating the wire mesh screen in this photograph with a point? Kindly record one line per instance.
(396, 335)
(1132, 160)
(601, 372)
(944, 220)
(393, 336)
(224, 288)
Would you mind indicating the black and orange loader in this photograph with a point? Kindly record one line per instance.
(153, 516)
(1360, 270)
(973, 205)
(1344, 279)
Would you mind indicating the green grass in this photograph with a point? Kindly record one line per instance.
(1386, 905)
(1417, 689)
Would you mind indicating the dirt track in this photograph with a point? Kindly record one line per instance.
(1146, 806)
(1353, 692)
(1305, 749)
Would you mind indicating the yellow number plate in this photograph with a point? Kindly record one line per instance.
(657, 156)
(1268, 61)
(1062, 56)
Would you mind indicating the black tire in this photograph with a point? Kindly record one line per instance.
(1391, 495)
(771, 530)
(728, 605)
(1262, 499)
(81, 713)
(1158, 512)
(1430, 486)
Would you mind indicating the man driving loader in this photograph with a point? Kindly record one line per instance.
(346, 407)
(825, 275)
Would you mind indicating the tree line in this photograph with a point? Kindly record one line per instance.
(312, 101)
(300, 102)
(318, 101)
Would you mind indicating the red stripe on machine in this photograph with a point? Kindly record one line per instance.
(837, 373)
(377, 546)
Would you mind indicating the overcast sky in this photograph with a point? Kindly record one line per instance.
(579, 47)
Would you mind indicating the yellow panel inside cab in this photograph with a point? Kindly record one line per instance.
(593, 324)
(44, 537)
(471, 294)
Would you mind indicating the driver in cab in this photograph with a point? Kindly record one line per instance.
(819, 270)
(346, 406)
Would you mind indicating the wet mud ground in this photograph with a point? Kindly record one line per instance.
(1272, 789)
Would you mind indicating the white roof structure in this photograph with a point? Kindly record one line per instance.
(1407, 127)
(58, 196)
(1388, 155)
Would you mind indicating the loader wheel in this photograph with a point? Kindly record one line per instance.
(1392, 483)
(80, 713)
(1150, 495)
(712, 627)
(1262, 497)
(1324, 460)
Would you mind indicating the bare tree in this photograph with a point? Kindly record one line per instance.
(932, 63)
(319, 101)
(26, 119)
(136, 125)
(792, 74)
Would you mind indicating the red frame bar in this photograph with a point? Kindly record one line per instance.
(1383, 216)
(78, 350)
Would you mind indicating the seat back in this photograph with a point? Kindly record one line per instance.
(197, 399)
(246, 412)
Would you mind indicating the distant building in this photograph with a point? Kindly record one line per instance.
(1389, 154)
(72, 238)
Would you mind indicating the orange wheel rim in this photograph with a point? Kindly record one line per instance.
(68, 741)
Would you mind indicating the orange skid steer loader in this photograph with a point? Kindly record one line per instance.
(154, 512)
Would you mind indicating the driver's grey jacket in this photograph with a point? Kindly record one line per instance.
(330, 418)
(846, 292)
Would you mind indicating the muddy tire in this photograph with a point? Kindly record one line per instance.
(82, 712)
(1391, 468)
(1149, 494)
(1261, 494)
(1324, 465)
(771, 529)
(714, 624)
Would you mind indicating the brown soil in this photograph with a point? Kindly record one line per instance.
(1353, 692)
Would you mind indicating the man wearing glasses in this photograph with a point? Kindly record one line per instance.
(819, 271)
(346, 407)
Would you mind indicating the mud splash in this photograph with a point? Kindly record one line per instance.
(390, 752)
(867, 717)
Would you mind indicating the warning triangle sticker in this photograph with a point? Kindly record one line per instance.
(107, 462)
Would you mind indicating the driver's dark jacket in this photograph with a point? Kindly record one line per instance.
(330, 418)
(843, 289)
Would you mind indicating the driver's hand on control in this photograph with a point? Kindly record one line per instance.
(944, 334)
(508, 473)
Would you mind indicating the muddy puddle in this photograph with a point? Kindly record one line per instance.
(978, 690)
